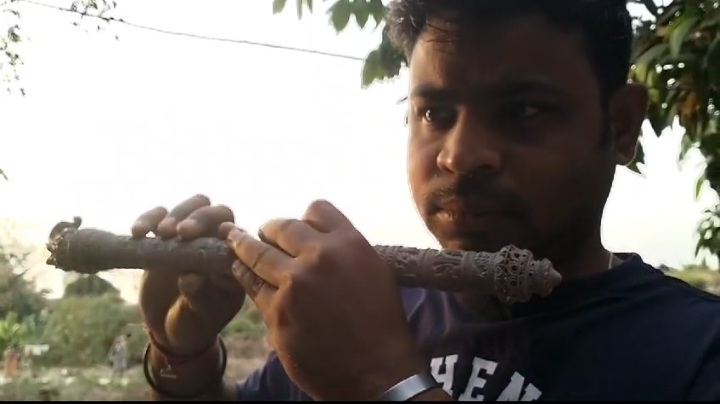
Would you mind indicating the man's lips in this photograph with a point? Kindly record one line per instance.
(471, 207)
(471, 215)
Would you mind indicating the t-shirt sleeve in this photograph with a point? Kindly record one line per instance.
(706, 386)
(268, 383)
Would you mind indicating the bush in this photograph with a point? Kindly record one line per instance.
(90, 285)
(12, 332)
(247, 323)
(81, 330)
(699, 277)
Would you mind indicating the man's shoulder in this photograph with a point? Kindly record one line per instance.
(682, 292)
(672, 310)
(657, 295)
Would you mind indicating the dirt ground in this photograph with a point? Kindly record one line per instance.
(94, 384)
(244, 356)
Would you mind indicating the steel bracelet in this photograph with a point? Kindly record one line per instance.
(410, 387)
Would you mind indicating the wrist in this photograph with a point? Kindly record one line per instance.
(183, 378)
(178, 356)
(390, 375)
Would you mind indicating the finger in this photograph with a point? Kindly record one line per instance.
(148, 222)
(225, 229)
(197, 287)
(168, 226)
(255, 287)
(290, 235)
(204, 222)
(264, 260)
(325, 217)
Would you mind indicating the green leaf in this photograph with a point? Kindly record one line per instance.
(684, 27)
(361, 10)
(340, 14)
(699, 185)
(2, 174)
(371, 68)
(648, 60)
(309, 4)
(377, 10)
(278, 6)
(299, 8)
(712, 61)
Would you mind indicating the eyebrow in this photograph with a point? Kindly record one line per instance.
(507, 88)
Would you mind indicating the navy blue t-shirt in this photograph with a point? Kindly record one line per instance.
(631, 333)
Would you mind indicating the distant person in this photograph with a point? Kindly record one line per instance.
(119, 355)
(11, 363)
(519, 112)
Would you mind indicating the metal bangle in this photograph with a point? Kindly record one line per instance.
(154, 386)
(410, 387)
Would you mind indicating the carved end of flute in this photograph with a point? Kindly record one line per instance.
(521, 276)
(56, 240)
(511, 274)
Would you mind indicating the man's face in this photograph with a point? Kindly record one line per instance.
(509, 143)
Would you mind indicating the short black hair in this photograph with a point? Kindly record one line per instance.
(606, 26)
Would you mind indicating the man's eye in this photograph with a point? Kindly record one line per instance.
(438, 115)
(523, 110)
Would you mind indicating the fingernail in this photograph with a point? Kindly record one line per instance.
(235, 235)
(167, 223)
(187, 225)
(140, 228)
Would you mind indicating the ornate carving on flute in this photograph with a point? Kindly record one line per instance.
(511, 274)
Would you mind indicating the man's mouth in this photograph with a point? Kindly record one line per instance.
(460, 208)
(471, 215)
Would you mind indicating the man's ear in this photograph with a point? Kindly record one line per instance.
(627, 110)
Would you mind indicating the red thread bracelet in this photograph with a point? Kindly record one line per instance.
(174, 360)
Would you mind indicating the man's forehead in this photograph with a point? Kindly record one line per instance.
(519, 49)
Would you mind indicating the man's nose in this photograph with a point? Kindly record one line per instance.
(470, 148)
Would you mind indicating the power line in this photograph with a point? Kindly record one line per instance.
(189, 35)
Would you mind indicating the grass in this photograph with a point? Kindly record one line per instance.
(89, 384)
(92, 383)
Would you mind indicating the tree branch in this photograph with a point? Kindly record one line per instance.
(651, 7)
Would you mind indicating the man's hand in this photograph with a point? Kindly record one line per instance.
(332, 306)
(186, 313)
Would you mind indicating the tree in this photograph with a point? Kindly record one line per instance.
(90, 285)
(11, 35)
(676, 55)
(17, 293)
(81, 330)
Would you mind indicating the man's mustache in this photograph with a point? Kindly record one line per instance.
(445, 190)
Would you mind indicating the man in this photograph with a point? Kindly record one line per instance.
(118, 355)
(519, 112)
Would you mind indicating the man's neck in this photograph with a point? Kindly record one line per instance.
(591, 258)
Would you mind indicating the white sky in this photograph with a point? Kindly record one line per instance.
(111, 128)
